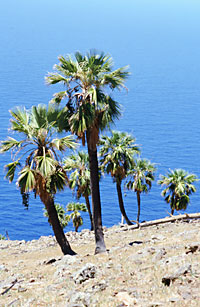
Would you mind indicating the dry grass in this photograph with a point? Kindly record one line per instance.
(131, 273)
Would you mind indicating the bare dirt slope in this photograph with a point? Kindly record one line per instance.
(154, 266)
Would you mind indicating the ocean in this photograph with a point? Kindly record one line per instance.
(161, 43)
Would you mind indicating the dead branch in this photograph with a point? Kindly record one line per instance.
(10, 287)
(162, 221)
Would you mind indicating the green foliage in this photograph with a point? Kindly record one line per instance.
(179, 185)
(141, 176)
(117, 154)
(75, 216)
(38, 160)
(2, 237)
(62, 216)
(11, 168)
(77, 169)
(86, 78)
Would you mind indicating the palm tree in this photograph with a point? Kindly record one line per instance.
(77, 168)
(39, 163)
(88, 110)
(63, 218)
(141, 177)
(117, 158)
(75, 215)
(179, 186)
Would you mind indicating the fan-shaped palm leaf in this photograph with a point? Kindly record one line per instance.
(179, 186)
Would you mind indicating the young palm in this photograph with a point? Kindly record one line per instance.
(88, 110)
(77, 168)
(117, 158)
(179, 185)
(141, 177)
(75, 215)
(38, 161)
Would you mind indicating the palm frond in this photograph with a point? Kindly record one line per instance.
(46, 165)
(53, 78)
(11, 168)
(27, 179)
(62, 144)
(10, 143)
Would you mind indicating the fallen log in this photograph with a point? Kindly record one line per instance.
(162, 221)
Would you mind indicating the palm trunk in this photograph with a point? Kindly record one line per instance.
(96, 202)
(173, 203)
(89, 210)
(138, 202)
(121, 204)
(48, 201)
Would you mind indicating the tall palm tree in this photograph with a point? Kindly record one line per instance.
(179, 186)
(38, 161)
(77, 168)
(117, 158)
(141, 177)
(88, 110)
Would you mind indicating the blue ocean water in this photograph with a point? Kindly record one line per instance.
(161, 43)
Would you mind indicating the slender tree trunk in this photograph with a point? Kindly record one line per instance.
(89, 210)
(138, 202)
(96, 203)
(173, 203)
(121, 204)
(48, 201)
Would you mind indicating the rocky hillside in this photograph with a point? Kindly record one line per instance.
(154, 266)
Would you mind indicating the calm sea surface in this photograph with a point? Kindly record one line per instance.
(159, 40)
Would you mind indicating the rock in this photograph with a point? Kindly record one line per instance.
(100, 286)
(88, 271)
(126, 298)
(166, 280)
(151, 250)
(172, 260)
(79, 299)
(183, 270)
(158, 237)
(3, 268)
(21, 289)
(65, 265)
(186, 295)
(67, 260)
(62, 272)
(159, 255)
